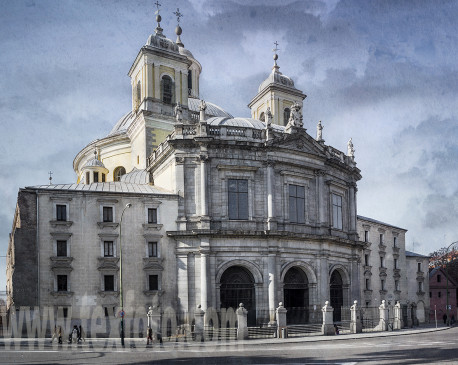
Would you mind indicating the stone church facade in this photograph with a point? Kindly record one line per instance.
(208, 209)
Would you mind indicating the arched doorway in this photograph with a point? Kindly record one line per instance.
(237, 286)
(296, 295)
(336, 292)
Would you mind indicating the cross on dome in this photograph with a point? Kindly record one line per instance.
(276, 67)
(158, 29)
(178, 14)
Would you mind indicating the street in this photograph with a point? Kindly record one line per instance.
(424, 348)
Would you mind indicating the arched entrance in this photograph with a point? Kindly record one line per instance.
(296, 295)
(336, 292)
(237, 286)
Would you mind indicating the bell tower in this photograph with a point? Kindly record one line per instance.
(278, 93)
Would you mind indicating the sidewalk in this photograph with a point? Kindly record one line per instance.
(140, 343)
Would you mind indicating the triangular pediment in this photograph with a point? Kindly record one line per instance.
(299, 141)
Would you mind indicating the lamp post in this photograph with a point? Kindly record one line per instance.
(446, 274)
(128, 205)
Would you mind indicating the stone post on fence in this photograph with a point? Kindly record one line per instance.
(242, 326)
(397, 325)
(409, 316)
(383, 323)
(154, 321)
(199, 323)
(281, 321)
(355, 324)
(328, 323)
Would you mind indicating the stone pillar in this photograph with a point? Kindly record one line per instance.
(355, 324)
(154, 321)
(203, 279)
(157, 82)
(199, 323)
(272, 285)
(352, 198)
(321, 199)
(323, 283)
(203, 185)
(409, 316)
(328, 323)
(242, 325)
(383, 324)
(281, 320)
(271, 223)
(397, 316)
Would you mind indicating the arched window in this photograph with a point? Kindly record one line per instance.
(118, 172)
(139, 92)
(286, 114)
(190, 80)
(167, 89)
(262, 117)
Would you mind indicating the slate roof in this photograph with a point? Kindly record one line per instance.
(107, 187)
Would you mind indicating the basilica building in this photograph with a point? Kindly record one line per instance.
(198, 207)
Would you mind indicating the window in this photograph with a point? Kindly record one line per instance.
(61, 212)
(153, 282)
(109, 282)
(420, 286)
(167, 89)
(419, 266)
(103, 178)
(262, 117)
(65, 312)
(381, 238)
(367, 284)
(152, 249)
(336, 211)
(430, 294)
(88, 177)
(286, 114)
(382, 284)
(118, 172)
(61, 282)
(296, 204)
(109, 311)
(238, 199)
(381, 261)
(108, 249)
(439, 294)
(108, 214)
(439, 278)
(138, 95)
(366, 259)
(96, 176)
(395, 263)
(396, 285)
(62, 248)
(367, 304)
(152, 215)
(366, 236)
(394, 241)
(189, 79)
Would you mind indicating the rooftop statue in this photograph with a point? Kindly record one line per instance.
(295, 119)
(319, 132)
(179, 113)
(350, 149)
(269, 117)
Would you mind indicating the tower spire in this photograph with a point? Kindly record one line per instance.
(276, 67)
(158, 29)
(178, 29)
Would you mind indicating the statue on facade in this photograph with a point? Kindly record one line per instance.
(178, 113)
(269, 117)
(319, 132)
(295, 118)
(202, 108)
(350, 149)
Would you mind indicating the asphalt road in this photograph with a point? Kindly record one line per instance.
(425, 348)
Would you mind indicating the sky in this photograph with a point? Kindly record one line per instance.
(384, 73)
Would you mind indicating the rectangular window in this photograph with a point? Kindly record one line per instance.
(152, 215)
(61, 212)
(420, 286)
(108, 214)
(381, 261)
(439, 294)
(61, 282)
(109, 282)
(430, 294)
(108, 249)
(109, 311)
(152, 249)
(238, 199)
(367, 284)
(153, 282)
(419, 266)
(438, 278)
(396, 285)
(65, 312)
(394, 241)
(395, 263)
(366, 236)
(366, 260)
(336, 211)
(382, 284)
(296, 204)
(96, 176)
(381, 238)
(88, 175)
(103, 177)
(62, 248)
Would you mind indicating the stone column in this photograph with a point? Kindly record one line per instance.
(272, 284)
(183, 281)
(355, 324)
(203, 279)
(242, 326)
(271, 223)
(179, 190)
(203, 185)
(409, 316)
(281, 320)
(321, 206)
(397, 316)
(323, 283)
(383, 324)
(328, 323)
(199, 323)
(352, 203)
(157, 82)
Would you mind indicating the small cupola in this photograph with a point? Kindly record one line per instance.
(278, 93)
(93, 171)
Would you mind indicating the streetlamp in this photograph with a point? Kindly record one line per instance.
(128, 205)
(446, 274)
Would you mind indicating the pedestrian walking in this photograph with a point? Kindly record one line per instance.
(82, 335)
(74, 334)
(54, 334)
(59, 335)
